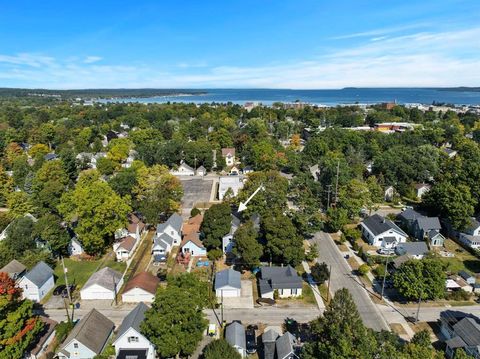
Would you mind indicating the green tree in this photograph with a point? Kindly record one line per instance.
(320, 272)
(96, 208)
(118, 149)
(19, 204)
(282, 240)
(336, 219)
(124, 181)
(50, 230)
(216, 223)
(49, 184)
(423, 279)
(19, 235)
(247, 248)
(175, 322)
(220, 349)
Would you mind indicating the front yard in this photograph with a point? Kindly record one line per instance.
(462, 260)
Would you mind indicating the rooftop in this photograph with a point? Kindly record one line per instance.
(228, 277)
(143, 280)
(39, 274)
(378, 225)
(133, 319)
(106, 278)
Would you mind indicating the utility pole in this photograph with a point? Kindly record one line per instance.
(328, 287)
(329, 190)
(418, 308)
(66, 281)
(385, 275)
(115, 289)
(222, 309)
(336, 183)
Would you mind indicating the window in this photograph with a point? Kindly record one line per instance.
(75, 345)
(294, 291)
(133, 339)
(26, 286)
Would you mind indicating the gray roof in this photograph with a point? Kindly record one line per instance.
(133, 319)
(428, 223)
(104, 278)
(469, 330)
(281, 277)
(455, 342)
(412, 248)
(465, 275)
(269, 336)
(201, 168)
(93, 331)
(14, 268)
(163, 240)
(50, 156)
(285, 345)
(378, 225)
(433, 233)
(409, 215)
(235, 335)
(39, 274)
(470, 238)
(228, 277)
(175, 220)
(397, 262)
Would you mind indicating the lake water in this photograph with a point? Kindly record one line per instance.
(321, 97)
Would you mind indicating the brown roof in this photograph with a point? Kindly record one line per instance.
(421, 185)
(134, 222)
(193, 225)
(192, 237)
(128, 243)
(47, 330)
(143, 280)
(228, 150)
(198, 219)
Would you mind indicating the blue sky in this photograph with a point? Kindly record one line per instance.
(239, 44)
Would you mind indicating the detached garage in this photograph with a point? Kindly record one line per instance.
(228, 283)
(141, 288)
(103, 284)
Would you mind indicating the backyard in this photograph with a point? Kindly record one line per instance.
(462, 260)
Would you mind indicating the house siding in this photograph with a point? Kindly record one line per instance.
(82, 352)
(32, 292)
(137, 295)
(97, 292)
(194, 250)
(123, 343)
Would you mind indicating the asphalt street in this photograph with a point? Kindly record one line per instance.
(341, 277)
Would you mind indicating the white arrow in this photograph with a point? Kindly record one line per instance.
(243, 205)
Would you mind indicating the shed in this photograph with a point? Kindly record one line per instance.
(228, 283)
(14, 269)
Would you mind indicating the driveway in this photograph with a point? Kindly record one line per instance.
(244, 301)
(342, 277)
(195, 190)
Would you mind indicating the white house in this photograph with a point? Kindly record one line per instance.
(162, 244)
(132, 154)
(103, 284)
(421, 189)
(135, 226)
(37, 282)
(227, 240)
(141, 288)
(201, 171)
(75, 248)
(172, 227)
(284, 280)
(389, 193)
(225, 183)
(183, 170)
(125, 248)
(43, 340)
(130, 342)
(416, 250)
(229, 155)
(235, 336)
(88, 338)
(471, 236)
(228, 283)
(193, 245)
(380, 231)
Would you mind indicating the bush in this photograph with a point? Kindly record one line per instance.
(355, 246)
(379, 270)
(458, 295)
(194, 212)
(275, 294)
(62, 330)
(320, 272)
(312, 253)
(360, 252)
(364, 269)
(342, 238)
(220, 349)
(214, 254)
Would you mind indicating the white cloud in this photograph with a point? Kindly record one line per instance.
(422, 59)
(92, 59)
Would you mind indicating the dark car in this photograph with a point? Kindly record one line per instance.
(65, 292)
(59, 289)
(251, 340)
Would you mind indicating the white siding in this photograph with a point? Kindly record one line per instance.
(228, 292)
(194, 250)
(32, 292)
(97, 292)
(136, 295)
(131, 339)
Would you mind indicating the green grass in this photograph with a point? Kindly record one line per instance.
(307, 294)
(463, 259)
(79, 271)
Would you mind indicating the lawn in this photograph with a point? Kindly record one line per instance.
(307, 294)
(463, 259)
(78, 272)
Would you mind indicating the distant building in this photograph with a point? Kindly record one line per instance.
(229, 155)
(234, 183)
(470, 237)
(183, 170)
(421, 189)
(389, 193)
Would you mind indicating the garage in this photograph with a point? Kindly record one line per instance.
(228, 283)
(141, 288)
(103, 284)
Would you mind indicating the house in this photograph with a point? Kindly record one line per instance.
(470, 237)
(284, 280)
(103, 284)
(229, 155)
(234, 171)
(172, 227)
(476, 288)
(14, 269)
(162, 245)
(416, 250)
(125, 248)
(193, 245)
(454, 282)
(75, 248)
(88, 338)
(399, 261)
(50, 156)
(407, 218)
(423, 225)
(462, 331)
(235, 336)
(449, 152)
(234, 183)
(130, 342)
(132, 154)
(37, 282)
(286, 346)
(388, 193)
(269, 338)
(228, 283)
(380, 231)
(227, 240)
(435, 238)
(201, 171)
(141, 288)
(247, 170)
(470, 279)
(183, 170)
(40, 349)
(421, 189)
(135, 226)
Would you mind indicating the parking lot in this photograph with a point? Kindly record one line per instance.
(195, 190)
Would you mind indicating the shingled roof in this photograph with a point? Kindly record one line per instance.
(39, 274)
(133, 319)
(378, 225)
(14, 268)
(175, 220)
(104, 278)
(144, 280)
(228, 277)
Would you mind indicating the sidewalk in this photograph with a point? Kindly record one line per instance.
(311, 283)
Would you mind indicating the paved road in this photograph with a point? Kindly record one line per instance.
(341, 277)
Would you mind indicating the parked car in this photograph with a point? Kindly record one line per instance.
(347, 256)
(251, 339)
(65, 292)
(59, 289)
